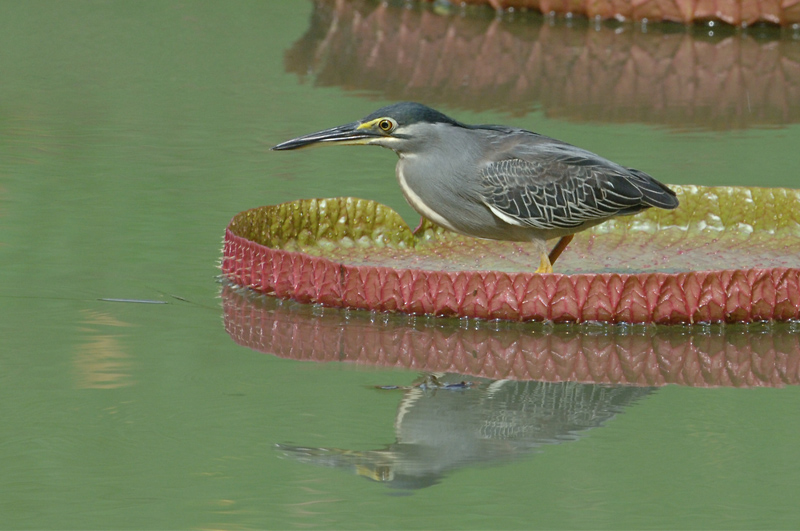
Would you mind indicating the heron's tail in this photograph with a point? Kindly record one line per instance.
(654, 193)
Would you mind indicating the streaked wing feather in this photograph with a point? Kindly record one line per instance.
(563, 189)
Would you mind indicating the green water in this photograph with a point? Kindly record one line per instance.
(131, 133)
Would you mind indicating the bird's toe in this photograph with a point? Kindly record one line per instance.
(544, 264)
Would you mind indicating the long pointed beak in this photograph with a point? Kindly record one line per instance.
(343, 134)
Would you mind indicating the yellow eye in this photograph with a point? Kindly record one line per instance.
(385, 125)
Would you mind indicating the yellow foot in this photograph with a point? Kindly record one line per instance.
(544, 265)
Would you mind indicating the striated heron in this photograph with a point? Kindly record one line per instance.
(498, 182)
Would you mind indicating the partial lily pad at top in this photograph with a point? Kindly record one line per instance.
(708, 260)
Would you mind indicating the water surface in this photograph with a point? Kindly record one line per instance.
(131, 133)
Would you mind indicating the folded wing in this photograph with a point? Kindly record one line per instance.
(561, 187)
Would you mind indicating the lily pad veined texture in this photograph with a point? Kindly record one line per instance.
(725, 255)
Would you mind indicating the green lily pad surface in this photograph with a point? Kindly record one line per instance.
(707, 260)
(714, 228)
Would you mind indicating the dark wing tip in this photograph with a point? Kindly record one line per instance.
(654, 193)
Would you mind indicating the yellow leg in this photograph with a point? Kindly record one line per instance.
(544, 265)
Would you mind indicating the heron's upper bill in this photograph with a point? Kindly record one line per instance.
(346, 134)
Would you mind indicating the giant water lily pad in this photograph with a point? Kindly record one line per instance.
(725, 255)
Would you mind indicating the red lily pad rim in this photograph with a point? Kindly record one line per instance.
(720, 296)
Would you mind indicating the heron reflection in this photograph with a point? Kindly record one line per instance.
(445, 422)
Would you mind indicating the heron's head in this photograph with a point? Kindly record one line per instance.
(403, 127)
